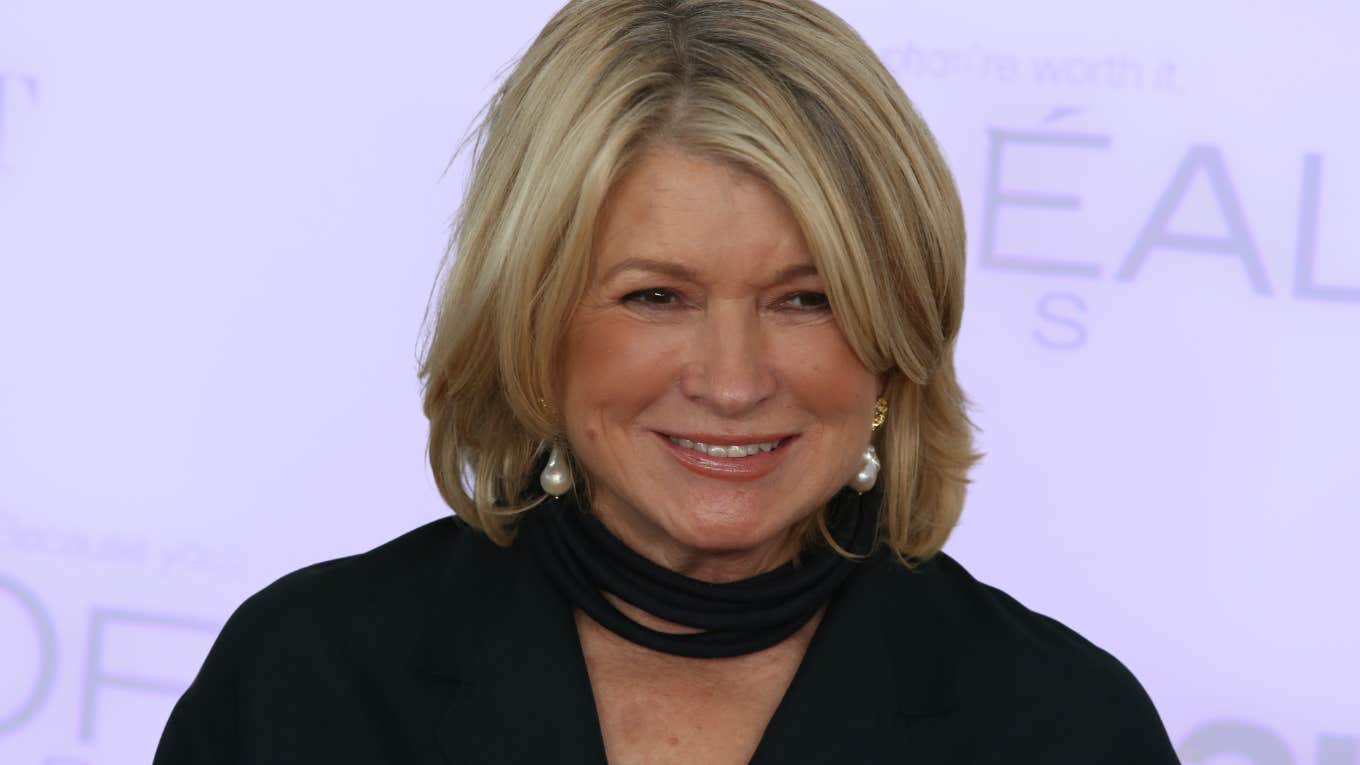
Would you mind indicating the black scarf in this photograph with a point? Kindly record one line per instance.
(583, 558)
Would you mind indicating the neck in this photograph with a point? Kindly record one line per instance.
(597, 641)
(590, 562)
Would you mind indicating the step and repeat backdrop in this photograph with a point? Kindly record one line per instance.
(220, 224)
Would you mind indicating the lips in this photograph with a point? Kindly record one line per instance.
(740, 458)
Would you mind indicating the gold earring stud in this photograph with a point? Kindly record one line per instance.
(880, 412)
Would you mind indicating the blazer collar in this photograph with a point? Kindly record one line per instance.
(502, 642)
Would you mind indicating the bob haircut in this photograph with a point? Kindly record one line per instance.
(782, 89)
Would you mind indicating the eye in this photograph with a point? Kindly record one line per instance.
(652, 296)
(807, 301)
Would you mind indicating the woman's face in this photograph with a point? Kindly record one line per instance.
(705, 321)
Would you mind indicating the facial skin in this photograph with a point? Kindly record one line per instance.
(704, 315)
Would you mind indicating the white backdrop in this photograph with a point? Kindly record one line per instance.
(219, 225)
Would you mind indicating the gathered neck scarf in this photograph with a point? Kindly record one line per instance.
(584, 559)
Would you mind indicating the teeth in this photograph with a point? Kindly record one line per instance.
(730, 452)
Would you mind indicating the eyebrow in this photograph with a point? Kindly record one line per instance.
(680, 271)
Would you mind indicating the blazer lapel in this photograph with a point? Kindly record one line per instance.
(881, 665)
(505, 647)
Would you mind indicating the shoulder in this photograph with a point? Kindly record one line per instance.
(384, 577)
(338, 602)
(1026, 673)
(997, 628)
(388, 581)
(319, 646)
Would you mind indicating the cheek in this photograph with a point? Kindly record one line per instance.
(613, 368)
(829, 378)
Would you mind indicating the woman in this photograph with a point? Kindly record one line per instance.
(692, 396)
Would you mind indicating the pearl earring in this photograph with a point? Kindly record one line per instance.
(556, 476)
(867, 476)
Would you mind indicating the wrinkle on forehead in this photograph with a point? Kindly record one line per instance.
(695, 213)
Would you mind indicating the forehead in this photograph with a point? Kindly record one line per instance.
(709, 216)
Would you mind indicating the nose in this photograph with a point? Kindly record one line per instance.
(730, 367)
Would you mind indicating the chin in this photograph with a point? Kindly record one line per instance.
(732, 529)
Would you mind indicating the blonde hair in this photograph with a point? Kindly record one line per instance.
(783, 89)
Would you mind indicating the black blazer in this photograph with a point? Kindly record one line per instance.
(441, 647)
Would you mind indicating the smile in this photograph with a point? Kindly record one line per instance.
(727, 450)
(717, 456)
